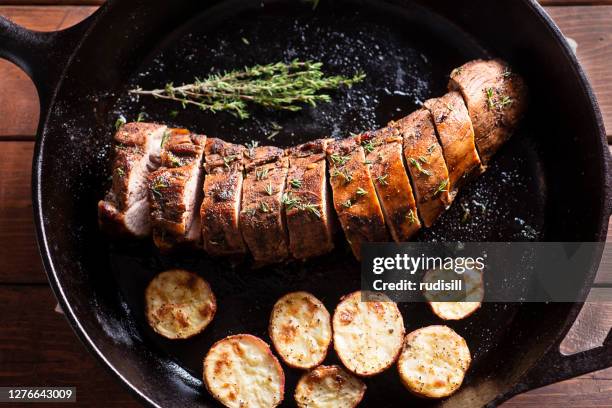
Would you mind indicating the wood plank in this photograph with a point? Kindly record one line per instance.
(591, 28)
(19, 107)
(18, 252)
(37, 347)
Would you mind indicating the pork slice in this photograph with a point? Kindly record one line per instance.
(384, 155)
(308, 207)
(220, 210)
(425, 164)
(456, 135)
(354, 195)
(262, 220)
(125, 209)
(496, 99)
(175, 190)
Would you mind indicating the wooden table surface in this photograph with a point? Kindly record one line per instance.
(37, 347)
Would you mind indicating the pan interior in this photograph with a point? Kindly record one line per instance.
(407, 55)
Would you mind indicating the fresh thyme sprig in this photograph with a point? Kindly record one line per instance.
(281, 86)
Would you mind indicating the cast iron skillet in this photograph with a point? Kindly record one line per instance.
(551, 182)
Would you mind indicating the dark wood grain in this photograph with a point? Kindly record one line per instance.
(37, 347)
(591, 28)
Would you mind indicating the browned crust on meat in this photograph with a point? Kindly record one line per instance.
(384, 154)
(262, 220)
(181, 159)
(496, 99)
(426, 164)
(354, 196)
(456, 135)
(308, 214)
(222, 195)
(128, 152)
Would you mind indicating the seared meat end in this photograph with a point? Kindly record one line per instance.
(220, 209)
(456, 136)
(496, 99)
(354, 196)
(125, 209)
(262, 220)
(425, 163)
(175, 192)
(307, 202)
(384, 156)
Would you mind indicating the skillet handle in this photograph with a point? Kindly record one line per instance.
(41, 55)
(555, 367)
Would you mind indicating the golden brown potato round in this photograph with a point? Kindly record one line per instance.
(433, 362)
(179, 304)
(368, 336)
(300, 329)
(465, 304)
(329, 387)
(241, 371)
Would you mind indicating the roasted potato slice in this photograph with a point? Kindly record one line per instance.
(241, 371)
(300, 329)
(433, 362)
(179, 304)
(465, 303)
(329, 387)
(368, 335)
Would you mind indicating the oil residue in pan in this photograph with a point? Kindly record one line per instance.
(407, 59)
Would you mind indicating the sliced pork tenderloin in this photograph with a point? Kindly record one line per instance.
(175, 190)
(384, 155)
(262, 219)
(496, 99)
(456, 135)
(425, 164)
(354, 195)
(125, 208)
(307, 200)
(220, 209)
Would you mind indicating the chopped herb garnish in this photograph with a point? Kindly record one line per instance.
(347, 204)
(423, 159)
(441, 187)
(165, 137)
(431, 148)
(251, 146)
(466, 213)
(175, 161)
(367, 162)
(120, 171)
(346, 176)
(272, 135)
(383, 179)
(339, 160)
(505, 101)
(418, 166)
(245, 41)
(251, 211)
(159, 184)
(261, 174)
(173, 113)
(264, 207)
(120, 122)
(228, 159)
(269, 189)
(295, 183)
(289, 201)
(312, 208)
(141, 117)
(507, 73)
(276, 126)
(361, 192)
(411, 217)
(369, 145)
(490, 101)
(450, 107)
